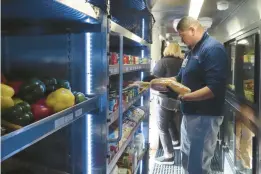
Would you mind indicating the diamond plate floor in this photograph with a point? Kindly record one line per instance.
(177, 169)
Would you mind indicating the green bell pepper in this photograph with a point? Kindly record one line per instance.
(63, 84)
(50, 84)
(79, 97)
(32, 91)
(19, 114)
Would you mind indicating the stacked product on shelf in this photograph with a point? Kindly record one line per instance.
(127, 59)
(130, 159)
(132, 118)
(129, 93)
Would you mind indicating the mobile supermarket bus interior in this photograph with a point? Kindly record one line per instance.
(130, 87)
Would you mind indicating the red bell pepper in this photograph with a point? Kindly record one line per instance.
(40, 111)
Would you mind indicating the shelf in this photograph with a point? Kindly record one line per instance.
(20, 139)
(140, 161)
(114, 116)
(117, 29)
(114, 69)
(24, 13)
(121, 150)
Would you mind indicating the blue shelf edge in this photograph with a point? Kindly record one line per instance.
(20, 139)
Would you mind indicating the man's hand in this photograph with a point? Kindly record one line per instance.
(182, 97)
(199, 95)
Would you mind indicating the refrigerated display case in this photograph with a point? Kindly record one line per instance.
(231, 51)
(244, 65)
(240, 128)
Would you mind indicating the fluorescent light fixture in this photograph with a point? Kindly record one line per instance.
(195, 7)
(88, 38)
(243, 42)
(82, 6)
(89, 143)
(142, 53)
(143, 28)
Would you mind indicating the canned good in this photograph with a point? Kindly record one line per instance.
(125, 96)
(134, 60)
(126, 59)
(137, 60)
(131, 60)
(135, 91)
(131, 93)
(113, 101)
(113, 59)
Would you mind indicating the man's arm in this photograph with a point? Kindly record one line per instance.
(201, 94)
(215, 65)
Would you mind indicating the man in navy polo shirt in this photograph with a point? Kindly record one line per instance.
(204, 72)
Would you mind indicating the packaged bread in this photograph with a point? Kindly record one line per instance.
(162, 85)
(159, 85)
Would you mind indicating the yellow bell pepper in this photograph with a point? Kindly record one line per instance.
(6, 90)
(7, 93)
(60, 99)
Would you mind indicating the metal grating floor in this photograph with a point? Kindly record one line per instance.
(177, 169)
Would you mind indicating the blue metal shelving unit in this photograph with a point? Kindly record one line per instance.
(135, 45)
(64, 39)
(61, 39)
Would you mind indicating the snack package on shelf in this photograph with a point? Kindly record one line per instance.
(115, 170)
(124, 171)
(162, 85)
(126, 161)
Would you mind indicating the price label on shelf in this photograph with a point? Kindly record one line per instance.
(116, 70)
(59, 122)
(63, 120)
(68, 118)
(78, 112)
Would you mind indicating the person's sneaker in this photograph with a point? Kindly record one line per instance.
(176, 144)
(164, 161)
